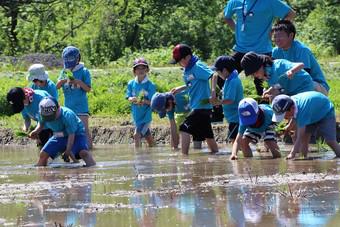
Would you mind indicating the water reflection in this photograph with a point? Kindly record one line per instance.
(159, 187)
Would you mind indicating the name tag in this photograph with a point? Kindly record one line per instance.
(58, 134)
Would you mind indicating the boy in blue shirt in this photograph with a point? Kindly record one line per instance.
(69, 135)
(232, 93)
(252, 26)
(75, 80)
(255, 123)
(196, 76)
(310, 111)
(176, 107)
(295, 51)
(40, 81)
(139, 93)
(26, 101)
(282, 75)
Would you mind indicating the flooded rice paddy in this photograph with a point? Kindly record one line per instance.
(160, 187)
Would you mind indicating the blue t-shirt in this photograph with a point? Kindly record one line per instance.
(232, 90)
(298, 52)
(300, 82)
(32, 110)
(182, 104)
(75, 96)
(141, 113)
(197, 82)
(257, 25)
(67, 123)
(312, 106)
(268, 113)
(50, 87)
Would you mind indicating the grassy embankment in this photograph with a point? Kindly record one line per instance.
(107, 99)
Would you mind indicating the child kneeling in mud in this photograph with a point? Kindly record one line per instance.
(69, 135)
(255, 123)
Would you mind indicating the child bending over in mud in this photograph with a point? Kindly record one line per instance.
(69, 134)
(255, 123)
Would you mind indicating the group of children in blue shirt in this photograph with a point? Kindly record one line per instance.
(66, 126)
(296, 90)
(296, 94)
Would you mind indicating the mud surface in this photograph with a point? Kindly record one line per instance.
(160, 187)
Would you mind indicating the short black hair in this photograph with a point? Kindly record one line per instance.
(286, 26)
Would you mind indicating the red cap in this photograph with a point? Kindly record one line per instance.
(179, 52)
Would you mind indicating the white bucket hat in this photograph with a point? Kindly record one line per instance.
(37, 72)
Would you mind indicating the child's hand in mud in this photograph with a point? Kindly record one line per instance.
(33, 134)
(290, 156)
(233, 157)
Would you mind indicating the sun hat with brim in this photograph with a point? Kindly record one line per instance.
(48, 108)
(71, 57)
(179, 52)
(248, 109)
(252, 62)
(280, 105)
(37, 72)
(16, 97)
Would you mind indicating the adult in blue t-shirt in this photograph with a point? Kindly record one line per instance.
(252, 25)
(295, 51)
(310, 111)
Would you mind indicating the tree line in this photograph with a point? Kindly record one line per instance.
(105, 30)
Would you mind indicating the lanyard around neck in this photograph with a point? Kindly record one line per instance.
(245, 14)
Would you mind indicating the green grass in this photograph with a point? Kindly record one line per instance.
(107, 101)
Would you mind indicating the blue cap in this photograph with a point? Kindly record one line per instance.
(71, 56)
(158, 103)
(247, 110)
(280, 105)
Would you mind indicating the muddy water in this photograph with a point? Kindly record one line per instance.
(159, 187)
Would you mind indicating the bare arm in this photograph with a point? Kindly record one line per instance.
(296, 68)
(82, 85)
(230, 23)
(290, 16)
(179, 89)
(68, 151)
(60, 83)
(298, 144)
(236, 146)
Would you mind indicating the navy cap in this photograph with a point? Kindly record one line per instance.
(280, 105)
(159, 101)
(71, 56)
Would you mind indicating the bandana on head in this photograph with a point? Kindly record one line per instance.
(29, 92)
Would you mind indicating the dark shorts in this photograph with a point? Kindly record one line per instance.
(57, 145)
(198, 124)
(325, 127)
(232, 131)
